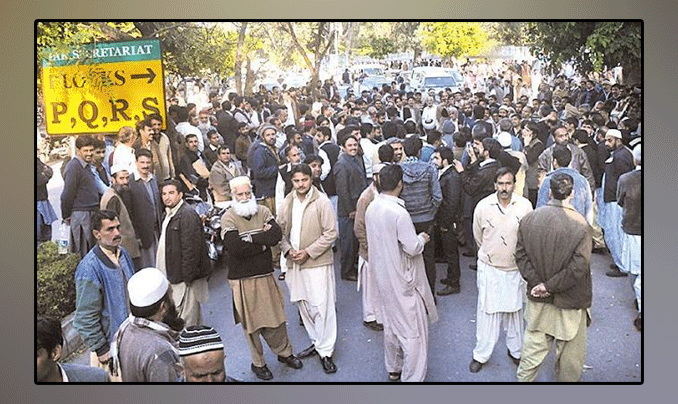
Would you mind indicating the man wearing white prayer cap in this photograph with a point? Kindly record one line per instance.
(117, 198)
(145, 344)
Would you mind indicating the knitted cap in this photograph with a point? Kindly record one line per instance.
(198, 339)
(264, 127)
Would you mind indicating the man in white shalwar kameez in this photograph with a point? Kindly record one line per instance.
(500, 286)
(309, 228)
(406, 300)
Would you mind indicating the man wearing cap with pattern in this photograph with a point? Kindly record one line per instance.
(145, 343)
(202, 356)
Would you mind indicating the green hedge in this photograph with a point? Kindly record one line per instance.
(55, 285)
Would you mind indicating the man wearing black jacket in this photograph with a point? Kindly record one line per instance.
(447, 216)
(182, 254)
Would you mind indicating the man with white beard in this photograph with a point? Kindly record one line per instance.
(249, 230)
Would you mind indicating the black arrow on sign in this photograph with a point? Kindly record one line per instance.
(150, 75)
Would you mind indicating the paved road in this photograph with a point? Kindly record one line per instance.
(614, 345)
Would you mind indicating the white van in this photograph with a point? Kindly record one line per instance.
(428, 77)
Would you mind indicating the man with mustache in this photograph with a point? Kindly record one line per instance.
(182, 253)
(117, 198)
(501, 289)
(145, 344)
(100, 281)
(249, 231)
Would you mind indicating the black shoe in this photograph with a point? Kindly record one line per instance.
(468, 254)
(473, 266)
(638, 322)
(613, 266)
(394, 376)
(291, 361)
(281, 277)
(328, 365)
(310, 351)
(475, 366)
(352, 278)
(616, 273)
(373, 325)
(515, 360)
(635, 304)
(448, 290)
(262, 372)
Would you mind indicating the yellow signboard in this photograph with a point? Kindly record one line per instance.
(103, 87)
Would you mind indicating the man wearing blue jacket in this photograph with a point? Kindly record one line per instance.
(100, 289)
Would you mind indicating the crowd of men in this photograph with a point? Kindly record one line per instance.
(389, 181)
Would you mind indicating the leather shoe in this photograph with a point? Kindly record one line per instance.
(310, 351)
(468, 254)
(262, 372)
(475, 366)
(616, 273)
(473, 266)
(638, 322)
(328, 365)
(448, 290)
(352, 278)
(515, 360)
(394, 376)
(373, 325)
(291, 361)
(281, 277)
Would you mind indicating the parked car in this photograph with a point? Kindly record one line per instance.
(436, 78)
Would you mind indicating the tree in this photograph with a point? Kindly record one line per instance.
(509, 32)
(317, 40)
(455, 39)
(590, 45)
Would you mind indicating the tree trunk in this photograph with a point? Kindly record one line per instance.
(249, 78)
(237, 69)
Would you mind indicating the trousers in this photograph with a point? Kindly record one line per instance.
(276, 338)
(409, 356)
(570, 355)
(348, 246)
(429, 252)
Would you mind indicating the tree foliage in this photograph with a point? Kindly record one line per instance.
(455, 39)
(512, 33)
(590, 45)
